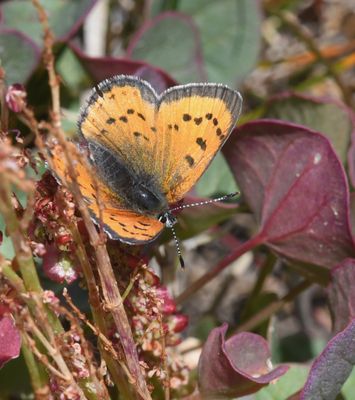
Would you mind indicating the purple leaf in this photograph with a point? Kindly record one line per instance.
(10, 340)
(236, 367)
(331, 369)
(352, 213)
(101, 68)
(351, 161)
(171, 40)
(296, 186)
(341, 294)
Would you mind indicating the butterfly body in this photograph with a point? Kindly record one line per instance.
(138, 190)
(147, 150)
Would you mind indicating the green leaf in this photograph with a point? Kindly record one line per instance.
(64, 17)
(217, 180)
(6, 247)
(348, 389)
(19, 56)
(71, 71)
(331, 118)
(170, 42)
(230, 35)
(287, 385)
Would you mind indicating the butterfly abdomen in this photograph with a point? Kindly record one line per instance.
(138, 190)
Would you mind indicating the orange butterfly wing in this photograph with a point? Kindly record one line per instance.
(195, 121)
(118, 223)
(121, 115)
(173, 137)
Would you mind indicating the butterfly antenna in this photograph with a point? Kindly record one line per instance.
(202, 203)
(178, 248)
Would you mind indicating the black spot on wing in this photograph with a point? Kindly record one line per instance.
(198, 120)
(110, 121)
(190, 160)
(139, 228)
(143, 224)
(201, 143)
(123, 119)
(186, 117)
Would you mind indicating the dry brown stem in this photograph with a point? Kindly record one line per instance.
(109, 285)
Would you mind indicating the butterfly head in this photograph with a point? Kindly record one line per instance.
(168, 219)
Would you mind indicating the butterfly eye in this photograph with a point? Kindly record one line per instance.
(162, 218)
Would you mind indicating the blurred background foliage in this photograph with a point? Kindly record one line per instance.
(292, 60)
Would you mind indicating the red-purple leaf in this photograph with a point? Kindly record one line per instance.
(331, 369)
(341, 294)
(101, 68)
(352, 213)
(10, 340)
(236, 367)
(296, 186)
(351, 161)
(171, 40)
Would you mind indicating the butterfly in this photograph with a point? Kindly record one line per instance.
(146, 151)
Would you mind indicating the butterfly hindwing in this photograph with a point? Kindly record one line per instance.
(118, 222)
(126, 225)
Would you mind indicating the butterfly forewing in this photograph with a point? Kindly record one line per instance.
(121, 114)
(194, 122)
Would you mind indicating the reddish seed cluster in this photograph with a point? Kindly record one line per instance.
(16, 97)
(54, 207)
(62, 391)
(73, 353)
(157, 325)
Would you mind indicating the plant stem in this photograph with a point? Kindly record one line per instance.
(199, 283)
(264, 271)
(22, 249)
(38, 376)
(272, 308)
(111, 294)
